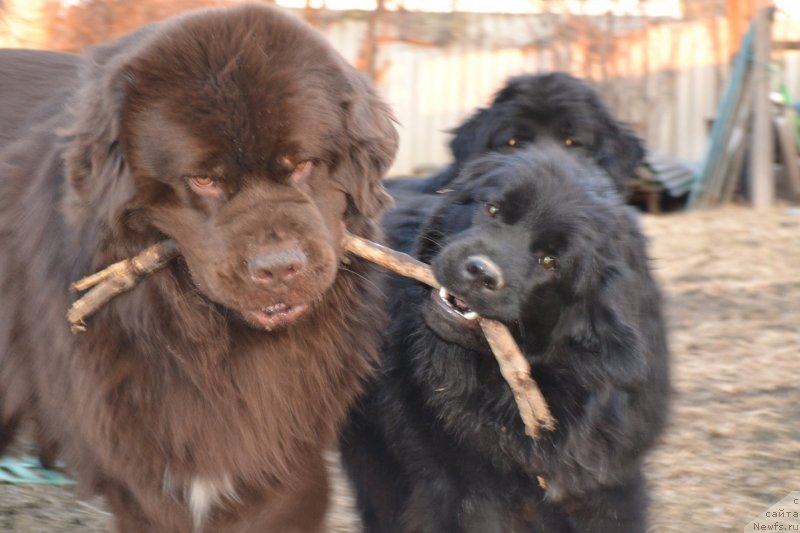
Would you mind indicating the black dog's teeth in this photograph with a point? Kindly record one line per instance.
(457, 304)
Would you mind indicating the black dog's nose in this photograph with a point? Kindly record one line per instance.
(277, 265)
(481, 269)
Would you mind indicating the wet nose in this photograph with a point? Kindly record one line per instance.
(277, 264)
(478, 269)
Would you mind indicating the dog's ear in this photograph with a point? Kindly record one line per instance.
(471, 138)
(370, 147)
(94, 162)
(514, 87)
(605, 315)
(619, 151)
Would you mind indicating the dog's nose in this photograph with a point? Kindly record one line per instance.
(277, 265)
(481, 269)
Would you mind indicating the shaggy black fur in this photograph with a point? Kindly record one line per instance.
(542, 242)
(534, 110)
(529, 111)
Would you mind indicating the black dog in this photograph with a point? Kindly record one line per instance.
(529, 111)
(534, 110)
(542, 242)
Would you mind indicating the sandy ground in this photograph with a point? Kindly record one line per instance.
(731, 280)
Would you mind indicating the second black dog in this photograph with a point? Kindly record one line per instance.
(542, 242)
(532, 111)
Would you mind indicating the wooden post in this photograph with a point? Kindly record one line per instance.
(734, 13)
(367, 60)
(737, 99)
(785, 133)
(762, 180)
(311, 15)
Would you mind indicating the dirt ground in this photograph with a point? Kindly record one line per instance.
(731, 279)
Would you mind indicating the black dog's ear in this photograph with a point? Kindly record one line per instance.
(94, 163)
(604, 320)
(619, 151)
(514, 87)
(369, 148)
(471, 138)
(469, 141)
(476, 135)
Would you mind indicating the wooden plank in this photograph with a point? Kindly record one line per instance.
(762, 179)
(729, 169)
(784, 130)
(786, 45)
(737, 162)
(707, 179)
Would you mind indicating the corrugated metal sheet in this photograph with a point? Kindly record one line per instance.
(673, 176)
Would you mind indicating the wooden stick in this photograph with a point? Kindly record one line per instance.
(397, 262)
(122, 276)
(116, 279)
(516, 371)
(514, 367)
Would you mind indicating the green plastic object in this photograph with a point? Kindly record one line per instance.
(29, 471)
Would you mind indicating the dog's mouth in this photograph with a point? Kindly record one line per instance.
(453, 320)
(275, 316)
(454, 307)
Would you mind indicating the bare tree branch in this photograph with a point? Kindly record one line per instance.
(123, 276)
(116, 279)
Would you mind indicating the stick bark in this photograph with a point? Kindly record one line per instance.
(123, 276)
(116, 279)
(516, 370)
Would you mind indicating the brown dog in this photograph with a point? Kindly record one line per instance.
(201, 400)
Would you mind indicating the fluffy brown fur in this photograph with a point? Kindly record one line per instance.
(201, 400)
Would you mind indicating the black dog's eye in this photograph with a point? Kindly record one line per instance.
(492, 210)
(512, 142)
(572, 142)
(548, 262)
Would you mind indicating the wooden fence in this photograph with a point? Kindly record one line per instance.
(665, 78)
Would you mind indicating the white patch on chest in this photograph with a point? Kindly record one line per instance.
(204, 494)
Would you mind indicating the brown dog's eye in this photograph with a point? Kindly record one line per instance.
(492, 210)
(301, 171)
(202, 181)
(512, 142)
(548, 262)
(204, 185)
